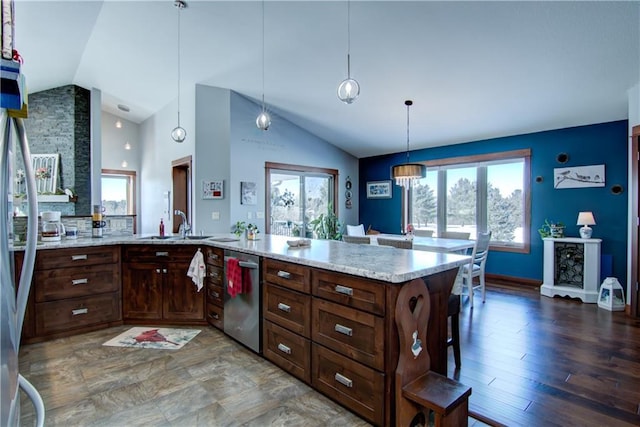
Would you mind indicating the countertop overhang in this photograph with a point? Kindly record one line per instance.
(382, 263)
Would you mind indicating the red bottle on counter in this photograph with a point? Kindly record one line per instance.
(161, 231)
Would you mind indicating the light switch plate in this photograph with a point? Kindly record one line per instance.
(215, 216)
(249, 215)
(260, 215)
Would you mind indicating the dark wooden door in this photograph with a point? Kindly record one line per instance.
(181, 299)
(635, 253)
(142, 291)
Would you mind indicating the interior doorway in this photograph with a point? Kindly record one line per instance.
(181, 178)
(635, 235)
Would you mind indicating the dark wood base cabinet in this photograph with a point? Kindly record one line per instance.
(337, 333)
(214, 261)
(155, 286)
(74, 290)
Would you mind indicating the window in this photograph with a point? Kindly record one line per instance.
(299, 194)
(477, 193)
(118, 192)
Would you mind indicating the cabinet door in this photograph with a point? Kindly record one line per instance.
(181, 299)
(142, 291)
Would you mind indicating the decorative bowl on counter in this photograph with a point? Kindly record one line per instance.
(299, 243)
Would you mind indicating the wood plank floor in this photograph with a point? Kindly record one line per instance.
(531, 360)
(534, 360)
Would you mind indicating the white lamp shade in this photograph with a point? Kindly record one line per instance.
(586, 218)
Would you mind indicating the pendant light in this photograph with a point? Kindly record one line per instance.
(263, 121)
(407, 173)
(178, 134)
(349, 89)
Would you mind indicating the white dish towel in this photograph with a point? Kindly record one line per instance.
(197, 270)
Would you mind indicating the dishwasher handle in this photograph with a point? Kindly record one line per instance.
(245, 264)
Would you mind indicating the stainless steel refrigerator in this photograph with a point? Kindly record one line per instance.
(13, 297)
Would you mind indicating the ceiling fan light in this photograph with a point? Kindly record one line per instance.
(178, 134)
(348, 90)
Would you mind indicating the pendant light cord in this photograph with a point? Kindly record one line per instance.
(179, 5)
(348, 39)
(263, 106)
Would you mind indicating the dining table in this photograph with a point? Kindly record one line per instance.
(433, 244)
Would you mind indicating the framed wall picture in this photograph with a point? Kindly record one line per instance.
(579, 177)
(248, 193)
(212, 189)
(379, 189)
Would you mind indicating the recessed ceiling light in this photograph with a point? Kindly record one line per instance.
(127, 146)
(123, 107)
(118, 124)
(124, 164)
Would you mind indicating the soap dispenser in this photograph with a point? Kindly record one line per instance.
(161, 228)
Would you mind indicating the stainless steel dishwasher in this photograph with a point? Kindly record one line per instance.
(243, 312)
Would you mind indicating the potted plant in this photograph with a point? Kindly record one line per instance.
(551, 229)
(327, 225)
(252, 232)
(239, 228)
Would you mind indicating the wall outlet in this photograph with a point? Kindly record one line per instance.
(215, 216)
(260, 215)
(249, 215)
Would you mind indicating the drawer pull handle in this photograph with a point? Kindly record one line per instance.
(284, 307)
(284, 274)
(164, 270)
(343, 329)
(283, 348)
(79, 282)
(213, 256)
(215, 294)
(344, 290)
(214, 315)
(343, 380)
(78, 311)
(214, 275)
(158, 270)
(162, 253)
(78, 257)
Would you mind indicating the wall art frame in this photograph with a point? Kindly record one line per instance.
(579, 177)
(379, 189)
(248, 193)
(213, 189)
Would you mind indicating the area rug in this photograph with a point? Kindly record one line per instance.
(156, 338)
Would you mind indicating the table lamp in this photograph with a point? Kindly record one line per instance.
(585, 219)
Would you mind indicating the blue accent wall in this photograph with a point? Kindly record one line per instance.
(604, 143)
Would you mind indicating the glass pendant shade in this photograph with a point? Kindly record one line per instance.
(406, 174)
(263, 121)
(178, 134)
(348, 90)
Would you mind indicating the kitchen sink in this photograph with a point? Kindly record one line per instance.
(195, 237)
(162, 237)
(224, 239)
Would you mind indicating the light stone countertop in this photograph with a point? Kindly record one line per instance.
(383, 263)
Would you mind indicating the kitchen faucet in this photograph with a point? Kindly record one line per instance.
(185, 228)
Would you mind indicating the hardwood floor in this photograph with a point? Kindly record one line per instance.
(534, 360)
(531, 361)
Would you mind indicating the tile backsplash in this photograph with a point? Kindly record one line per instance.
(116, 225)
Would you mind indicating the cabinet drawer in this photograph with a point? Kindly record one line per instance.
(76, 257)
(365, 294)
(159, 253)
(215, 294)
(57, 316)
(215, 315)
(289, 351)
(214, 275)
(290, 276)
(289, 309)
(349, 331)
(76, 282)
(355, 386)
(214, 256)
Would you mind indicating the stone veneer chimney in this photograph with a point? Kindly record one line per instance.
(59, 122)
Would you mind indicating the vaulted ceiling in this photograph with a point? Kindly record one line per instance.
(474, 70)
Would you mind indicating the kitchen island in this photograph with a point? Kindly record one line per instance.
(335, 302)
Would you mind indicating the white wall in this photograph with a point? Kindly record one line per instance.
(113, 140)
